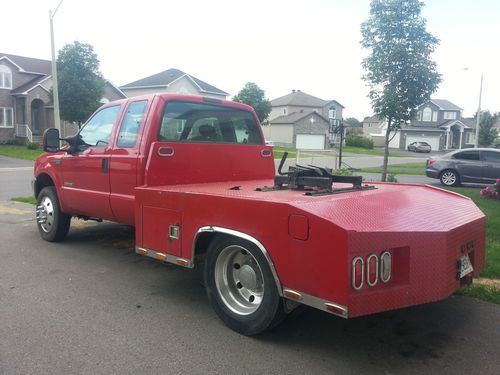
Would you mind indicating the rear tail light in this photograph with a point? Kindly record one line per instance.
(430, 162)
(376, 268)
(385, 266)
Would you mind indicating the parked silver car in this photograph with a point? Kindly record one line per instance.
(479, 165)
(419, 147)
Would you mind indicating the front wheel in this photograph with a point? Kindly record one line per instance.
(53, 225)
(240, 286)
(449, 178)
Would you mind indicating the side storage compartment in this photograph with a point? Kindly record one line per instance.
(161, 230)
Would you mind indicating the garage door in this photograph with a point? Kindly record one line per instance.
(432, 140)
(310, 141)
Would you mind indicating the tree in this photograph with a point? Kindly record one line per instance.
(253, 95)
(353, 122)
(81, 85)
(399, 70)
(487, 133)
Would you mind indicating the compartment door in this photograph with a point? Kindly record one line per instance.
(157, 233)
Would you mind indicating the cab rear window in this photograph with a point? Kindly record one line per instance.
(207, 123)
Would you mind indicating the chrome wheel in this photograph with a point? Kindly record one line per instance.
(45, 214)
(239, 280)
(449, 178)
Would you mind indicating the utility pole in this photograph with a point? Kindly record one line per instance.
(55, 90)
(478, 116)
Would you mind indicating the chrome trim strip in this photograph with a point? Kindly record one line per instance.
(382, 262)
(163, 257)
(319, 303)
(353, 273)
(246, 237)
(368, 270)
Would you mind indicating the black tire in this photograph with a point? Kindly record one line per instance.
(56, 225)
(268, 311)
(449, 177)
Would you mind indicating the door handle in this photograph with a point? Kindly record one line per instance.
(166, 151)
(105, 166)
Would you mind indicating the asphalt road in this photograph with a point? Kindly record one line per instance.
(90, 305)
(15, 178)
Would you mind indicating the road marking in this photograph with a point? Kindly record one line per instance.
(16, 169)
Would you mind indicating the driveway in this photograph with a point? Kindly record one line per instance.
(90, 305)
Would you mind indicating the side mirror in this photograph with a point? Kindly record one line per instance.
(51, 140)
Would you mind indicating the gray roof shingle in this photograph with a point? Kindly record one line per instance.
(299, 98)
(293, 117)
(29, 64)
(167, 77)
(445, 105)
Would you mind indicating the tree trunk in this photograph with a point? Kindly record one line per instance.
(386, 150)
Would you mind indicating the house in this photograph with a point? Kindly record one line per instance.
(300, 120)
(438, 122)
(26, 108)
(172, 80)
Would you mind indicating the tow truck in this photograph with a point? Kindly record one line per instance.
(195, 178)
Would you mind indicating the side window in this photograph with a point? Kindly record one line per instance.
(131, 124)
(97, 131)
(467, 155)
(491, 156)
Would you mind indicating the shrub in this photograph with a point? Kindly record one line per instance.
(358, 141)
(391, 178)
(33, 145)
(493, 191)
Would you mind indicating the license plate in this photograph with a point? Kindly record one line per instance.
(465, 266)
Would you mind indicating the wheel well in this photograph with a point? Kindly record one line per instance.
(42, 181)
(203, 239)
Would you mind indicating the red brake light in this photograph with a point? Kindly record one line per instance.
(430, 162)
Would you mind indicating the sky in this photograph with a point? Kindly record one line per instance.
(310, 45)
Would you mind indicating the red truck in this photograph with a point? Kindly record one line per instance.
(195, 178)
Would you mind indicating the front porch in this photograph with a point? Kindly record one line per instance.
(458, 136)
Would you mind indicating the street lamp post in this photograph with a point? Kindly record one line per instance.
(55, 91)
(478, 117)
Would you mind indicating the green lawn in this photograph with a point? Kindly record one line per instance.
(491, 209)
(31, 200)
(374, 151)
(407, 168)
(486, 293)
(20, 152)
(278, 151)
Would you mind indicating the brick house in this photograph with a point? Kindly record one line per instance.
(26, 109)
(301, 120)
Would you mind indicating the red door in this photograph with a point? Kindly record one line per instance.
(123, 164)
(85, 173)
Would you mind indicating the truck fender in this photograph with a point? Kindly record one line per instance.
(244, 236)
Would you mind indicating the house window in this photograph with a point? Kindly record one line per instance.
(332, 112)
(370, 125)
(427, 114)
(434, 116)
(5, 77)
(419, 116)
(470, 139)
(6, 118)
(448, 115)
(284, 111)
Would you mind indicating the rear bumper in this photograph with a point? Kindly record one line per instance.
(432, 173)
(424, 268)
